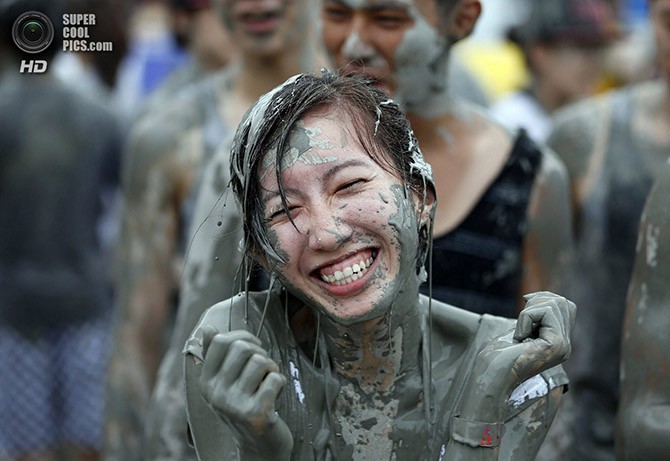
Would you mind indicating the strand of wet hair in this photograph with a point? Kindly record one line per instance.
(267, 303)
(428, 349)
(223, 197)
(316, 342)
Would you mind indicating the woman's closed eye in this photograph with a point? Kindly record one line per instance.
(280, 212)
(351, 186)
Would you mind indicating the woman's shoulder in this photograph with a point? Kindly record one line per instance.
(455, 322)
(243, 311)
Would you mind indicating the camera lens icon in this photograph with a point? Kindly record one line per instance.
(33, 32)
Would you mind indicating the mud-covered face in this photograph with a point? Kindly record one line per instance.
(265, 27)
(660, 20)
(351, 253)
(393, 41)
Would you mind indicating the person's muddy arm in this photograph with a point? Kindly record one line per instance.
(644, 411)
(540, 341)
(579, 137)
(211, 267)
(144, 271)
(548, 242)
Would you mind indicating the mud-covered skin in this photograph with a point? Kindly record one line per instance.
(613, 147)
(308, 403)
(211, 273)
(644, 412)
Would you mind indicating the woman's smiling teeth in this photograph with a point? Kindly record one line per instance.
(348, 274)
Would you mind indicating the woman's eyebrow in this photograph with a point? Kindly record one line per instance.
(271, 194)
(328, 175)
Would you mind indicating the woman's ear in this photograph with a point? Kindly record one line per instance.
(427, 207)
(463, 17)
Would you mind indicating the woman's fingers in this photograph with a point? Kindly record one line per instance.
(208, 333)
(544, 328)
(271, 386)
(541, 322)
(239, 379)
(531, 320)
(227, 354)
(255, 370)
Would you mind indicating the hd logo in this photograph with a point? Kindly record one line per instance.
(34, 66)
(33, 32)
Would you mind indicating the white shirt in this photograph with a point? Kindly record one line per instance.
(521, 110)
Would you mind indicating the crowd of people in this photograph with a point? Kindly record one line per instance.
(303, 229)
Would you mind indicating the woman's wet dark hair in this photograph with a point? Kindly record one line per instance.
(383, 131)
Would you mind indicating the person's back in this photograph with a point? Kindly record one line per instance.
(52, 171)
(60, 151)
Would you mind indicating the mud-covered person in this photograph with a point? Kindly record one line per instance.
(643, 429)
(343, 358)
(613, 146)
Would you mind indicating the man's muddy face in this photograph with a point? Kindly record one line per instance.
(660, 20)
(352, 243)
(388, 40)
(265, 27)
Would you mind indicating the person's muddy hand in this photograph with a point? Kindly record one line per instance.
(543, 330)
(540, 340)
(240, 382)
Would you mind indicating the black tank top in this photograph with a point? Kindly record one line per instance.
(478, 265)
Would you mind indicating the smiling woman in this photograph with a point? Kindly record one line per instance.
(337, 206)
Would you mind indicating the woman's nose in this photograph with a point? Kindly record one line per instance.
(328, 231)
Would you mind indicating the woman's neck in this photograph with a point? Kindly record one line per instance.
(374, 354)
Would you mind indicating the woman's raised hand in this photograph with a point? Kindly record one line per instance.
(240, 382)
(540, 341)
